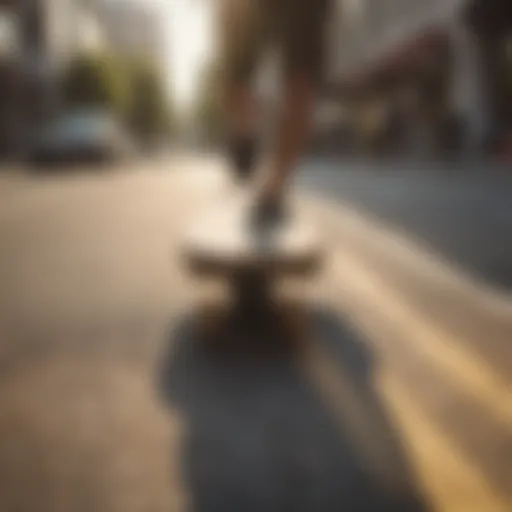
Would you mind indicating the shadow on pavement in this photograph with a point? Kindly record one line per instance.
(259, 436)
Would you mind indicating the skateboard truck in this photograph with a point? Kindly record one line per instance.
(223, 249)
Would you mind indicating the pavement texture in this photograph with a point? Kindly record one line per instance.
(110, 401)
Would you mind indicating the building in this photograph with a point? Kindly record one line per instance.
(372, 34)
(429, 61)
(135, 29)
(9, 45)
(22, 74)
(489, 31)
(71, 27)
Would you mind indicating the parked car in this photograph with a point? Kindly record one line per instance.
(91, 137)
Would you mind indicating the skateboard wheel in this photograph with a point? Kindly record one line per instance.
(212, 320)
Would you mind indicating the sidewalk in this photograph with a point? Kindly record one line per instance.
(469, 165)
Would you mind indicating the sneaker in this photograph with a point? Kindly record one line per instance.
(243, 157)
(267, 214)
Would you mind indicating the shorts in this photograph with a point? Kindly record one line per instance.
(295, 28)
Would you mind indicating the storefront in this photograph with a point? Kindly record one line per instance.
(436, 82)
(401, 99)
(490, 25)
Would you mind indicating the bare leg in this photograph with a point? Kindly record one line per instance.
(294, 126)
(242, 122)
(241, 35)
(241, 110)
(299, 29)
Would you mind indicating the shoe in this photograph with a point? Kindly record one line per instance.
(243, 156)
(268, 214)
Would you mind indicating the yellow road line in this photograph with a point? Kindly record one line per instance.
(358, 418)
(446, 477)
(438, 347)
(369, 227)
(452, 482)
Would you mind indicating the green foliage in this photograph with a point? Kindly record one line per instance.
(209, 108)
(149, 112)
(96, 81)
(132, 90)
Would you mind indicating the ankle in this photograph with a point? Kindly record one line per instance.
(273, 187)
(243, 153)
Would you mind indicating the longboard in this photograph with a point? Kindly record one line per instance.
(219, 243)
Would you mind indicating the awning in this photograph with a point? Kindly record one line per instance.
(397, 44)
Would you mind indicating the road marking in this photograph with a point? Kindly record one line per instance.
(447, 479)
(392, 241)
(438, 347)
(452, 482)
(358, 418)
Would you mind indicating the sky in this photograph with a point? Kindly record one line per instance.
(190, 44)
(189, 41)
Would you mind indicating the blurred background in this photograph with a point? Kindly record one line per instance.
(109, 403)
(425, 79)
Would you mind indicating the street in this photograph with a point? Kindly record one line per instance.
(108, 402)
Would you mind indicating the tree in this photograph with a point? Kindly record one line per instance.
(149, 113)
(96, 81)
(209, 108)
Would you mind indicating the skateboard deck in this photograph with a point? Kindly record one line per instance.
(220, 241)
(220, 244)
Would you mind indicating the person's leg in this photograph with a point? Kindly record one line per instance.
(300, 28)
(241, 28)
(241, 130)
(293, 130)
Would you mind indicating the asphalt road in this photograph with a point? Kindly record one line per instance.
(109, 402)
(463, 214)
